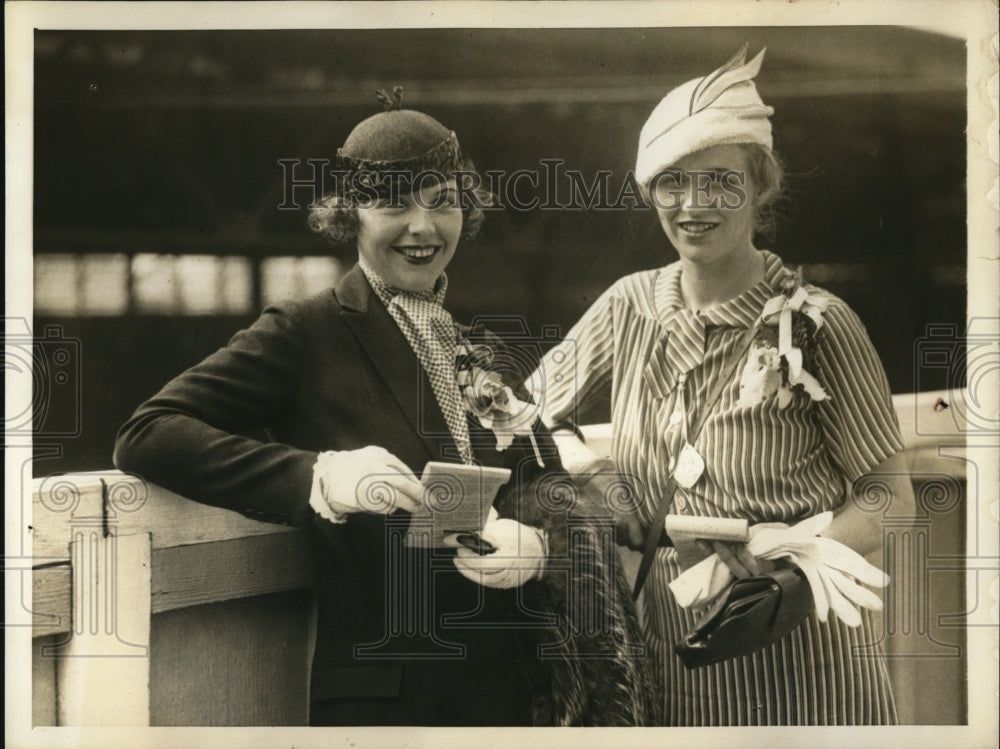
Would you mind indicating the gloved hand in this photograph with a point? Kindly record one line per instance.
(738, 557)
(370, 479)
(831, 568)
(519, 555)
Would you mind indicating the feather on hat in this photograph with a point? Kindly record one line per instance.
(722, 107)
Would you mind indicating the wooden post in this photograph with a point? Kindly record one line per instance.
(103, 669)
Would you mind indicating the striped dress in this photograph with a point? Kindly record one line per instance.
(763, 463)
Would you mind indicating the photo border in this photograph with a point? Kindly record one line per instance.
(972, 20)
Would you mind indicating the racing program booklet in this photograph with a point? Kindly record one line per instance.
(457, 499)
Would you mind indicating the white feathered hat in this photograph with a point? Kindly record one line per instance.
(722, 107)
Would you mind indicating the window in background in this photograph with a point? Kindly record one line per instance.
(104, 284)
(56, 291)
(210, 285)
(283, 278)
(235, 284)
(192, 284)
(75, 285)
(98, 285)
(154, 284)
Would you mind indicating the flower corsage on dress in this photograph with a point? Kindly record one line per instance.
(491, 398)
(782, 350)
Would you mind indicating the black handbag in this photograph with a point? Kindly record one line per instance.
(754, 612)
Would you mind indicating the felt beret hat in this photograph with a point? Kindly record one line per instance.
(720, 108)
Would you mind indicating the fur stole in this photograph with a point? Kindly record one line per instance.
(590, 666)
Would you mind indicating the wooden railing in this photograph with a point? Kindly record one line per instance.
(151, 609)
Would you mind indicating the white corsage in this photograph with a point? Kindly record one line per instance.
(777, 369)
(762, 378)
(487, 397)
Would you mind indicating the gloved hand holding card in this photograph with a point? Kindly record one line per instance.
(833, 570)
(457, 499)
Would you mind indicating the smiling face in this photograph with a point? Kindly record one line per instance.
(409, 245)
(705, 204)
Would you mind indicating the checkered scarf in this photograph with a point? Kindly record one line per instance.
(433, 336)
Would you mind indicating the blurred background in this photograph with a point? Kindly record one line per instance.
(157, 181)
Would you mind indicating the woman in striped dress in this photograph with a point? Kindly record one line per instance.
(788, 438)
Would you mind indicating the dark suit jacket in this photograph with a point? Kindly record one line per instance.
(334, 372)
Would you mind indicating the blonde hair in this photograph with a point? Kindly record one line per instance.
(767, 175)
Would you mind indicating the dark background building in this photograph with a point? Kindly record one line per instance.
(163, 219)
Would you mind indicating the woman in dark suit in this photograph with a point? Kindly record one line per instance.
(358, 388)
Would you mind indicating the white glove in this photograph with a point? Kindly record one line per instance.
(519, 556)
(831, 569)
(370, 479)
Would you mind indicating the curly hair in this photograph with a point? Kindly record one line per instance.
(335, 216)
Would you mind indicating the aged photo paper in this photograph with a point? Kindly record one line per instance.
(908, 88)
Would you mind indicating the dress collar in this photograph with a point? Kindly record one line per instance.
(740, 312)
(684, 345)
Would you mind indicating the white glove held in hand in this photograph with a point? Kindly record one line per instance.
(831, 568)
(367, 480)
(519, 556)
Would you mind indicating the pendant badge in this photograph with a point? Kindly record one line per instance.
(690, 466)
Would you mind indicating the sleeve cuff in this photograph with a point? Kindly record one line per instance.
(318, 499)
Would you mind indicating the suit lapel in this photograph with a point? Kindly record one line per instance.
(396, 363)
